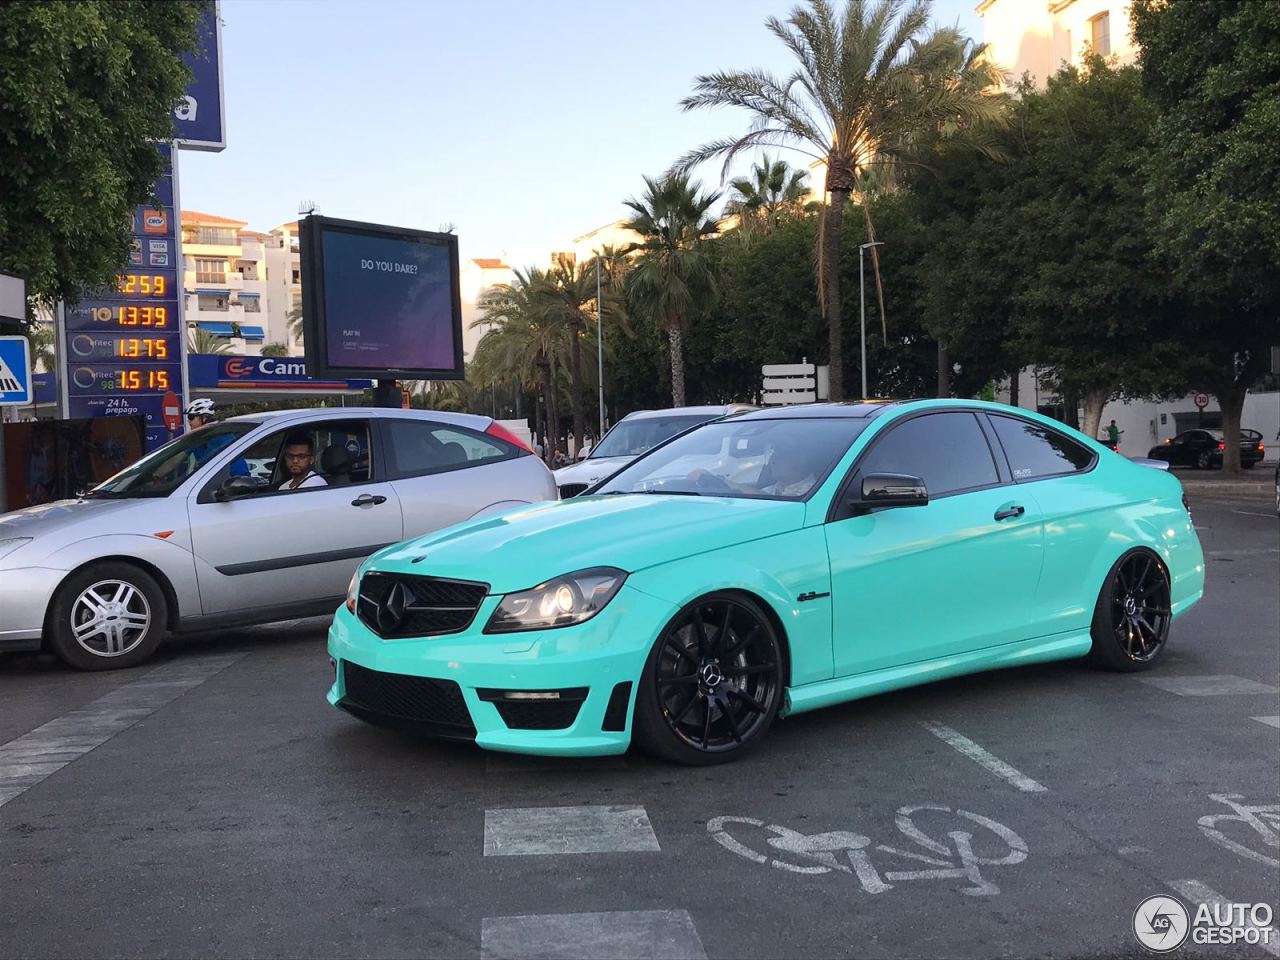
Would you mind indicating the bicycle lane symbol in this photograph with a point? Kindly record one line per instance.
(842, 851)
(1263, 820)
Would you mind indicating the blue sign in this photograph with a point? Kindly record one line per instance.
(198, 118)
(210, 371)
(15, 371)
(46, 388)
(150, 406)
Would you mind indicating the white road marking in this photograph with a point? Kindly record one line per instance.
(1229, 554)
(1269, 721)
(1251, 513)
(666, 934)
(1208, 686)
(965, 746)
(1198, 893)
(524, 831)
(32, 757)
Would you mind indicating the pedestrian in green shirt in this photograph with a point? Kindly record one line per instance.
(1113, 434)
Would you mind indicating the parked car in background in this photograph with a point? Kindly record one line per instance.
(201, 532)
(632, 436)
(768, 564)
(1203, 448)
(1278, 489)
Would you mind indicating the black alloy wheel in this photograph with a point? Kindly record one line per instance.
(1132, 617)
(713, 683)
(1204, 461)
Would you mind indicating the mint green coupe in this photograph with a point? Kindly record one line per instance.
(762, 566)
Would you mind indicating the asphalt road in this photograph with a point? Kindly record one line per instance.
(212, 804)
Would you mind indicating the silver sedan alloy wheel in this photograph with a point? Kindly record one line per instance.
(110, 618)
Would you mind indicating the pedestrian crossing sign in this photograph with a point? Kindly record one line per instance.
(15, 372)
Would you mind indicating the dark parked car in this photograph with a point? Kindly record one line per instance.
(1203, 449)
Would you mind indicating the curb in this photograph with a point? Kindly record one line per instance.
(1228, 489)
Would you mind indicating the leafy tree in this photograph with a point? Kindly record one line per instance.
(873, 87)
(773, 188)
(275, 349)
(86, 91)
(526, 344)
(1213, 177)
(672, 275)
(202, 341)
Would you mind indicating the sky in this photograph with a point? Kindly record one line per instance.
(521, 123)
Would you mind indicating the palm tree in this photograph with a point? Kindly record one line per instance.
(525, 344)
(44, 357)
(274, 349)
(568, 295)
(873, 86)
(293, 321)
(672, 273)
(773, 187)
(202, 341)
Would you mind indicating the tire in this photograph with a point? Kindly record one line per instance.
(1203, 461)
(738, 699)
(132, 609)
(1119, 641)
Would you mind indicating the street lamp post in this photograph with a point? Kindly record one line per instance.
(600, 347)
(862, 295)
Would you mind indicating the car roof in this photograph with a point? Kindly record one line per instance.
(470, 420)
(852, 409)
(708, 410)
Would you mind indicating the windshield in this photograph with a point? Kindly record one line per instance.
(771, 459)
(630, 438)
(162, 472)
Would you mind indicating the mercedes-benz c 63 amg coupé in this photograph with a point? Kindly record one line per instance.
(762, 566)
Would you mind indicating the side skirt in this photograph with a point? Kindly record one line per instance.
(256, 615)
(824, 693)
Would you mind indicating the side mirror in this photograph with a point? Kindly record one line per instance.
(880, 490)
(235, 487)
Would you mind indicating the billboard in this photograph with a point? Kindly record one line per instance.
(199, 119)
(228, 372)
(380, 302)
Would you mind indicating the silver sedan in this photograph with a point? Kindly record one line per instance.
(251, 520)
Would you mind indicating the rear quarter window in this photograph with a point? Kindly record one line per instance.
(1035, 451)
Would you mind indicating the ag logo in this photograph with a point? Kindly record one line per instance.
(1161, 923)
(238, 367)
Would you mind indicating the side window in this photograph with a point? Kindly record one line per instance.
(328, 454)
(1035, 451)
(418, 447)
(948, 451)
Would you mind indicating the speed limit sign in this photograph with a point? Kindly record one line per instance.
(1201, 400)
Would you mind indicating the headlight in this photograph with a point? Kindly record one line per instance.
(353, 591)
(573, 598)
(8, 546)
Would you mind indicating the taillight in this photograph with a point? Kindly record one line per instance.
(1261, 448)
(495, 429)
(1222, 446)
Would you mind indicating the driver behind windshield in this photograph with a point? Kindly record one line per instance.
(789, 471)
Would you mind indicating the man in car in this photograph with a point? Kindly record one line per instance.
(789, 472)
(299, 460)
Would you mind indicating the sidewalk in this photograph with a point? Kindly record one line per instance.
(1259, 481)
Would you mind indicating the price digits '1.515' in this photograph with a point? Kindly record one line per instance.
(142, 379)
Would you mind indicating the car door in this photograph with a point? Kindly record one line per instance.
(444, 473)
(911, 584)
(282, 547)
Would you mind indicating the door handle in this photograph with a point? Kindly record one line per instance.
(1013, 510)
(368, 500)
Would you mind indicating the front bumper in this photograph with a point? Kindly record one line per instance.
(588, 660)
(25, 593)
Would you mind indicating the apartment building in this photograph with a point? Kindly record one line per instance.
(1037, 36)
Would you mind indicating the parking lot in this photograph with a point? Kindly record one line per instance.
(212, 803)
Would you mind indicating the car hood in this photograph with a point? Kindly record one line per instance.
(590, 470)
(525, 546)
(49, 518)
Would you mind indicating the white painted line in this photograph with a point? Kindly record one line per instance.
(968, 748)
(32, 757)
(524, 831)
(1198, 893)
(1269, 721)
(1217, 685)
(1251, 513)
(665, 934)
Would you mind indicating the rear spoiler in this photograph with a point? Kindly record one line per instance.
(1153, 464)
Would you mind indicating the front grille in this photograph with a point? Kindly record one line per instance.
(568, 490)
(425, 607)
(538, 714)
(399, 697)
